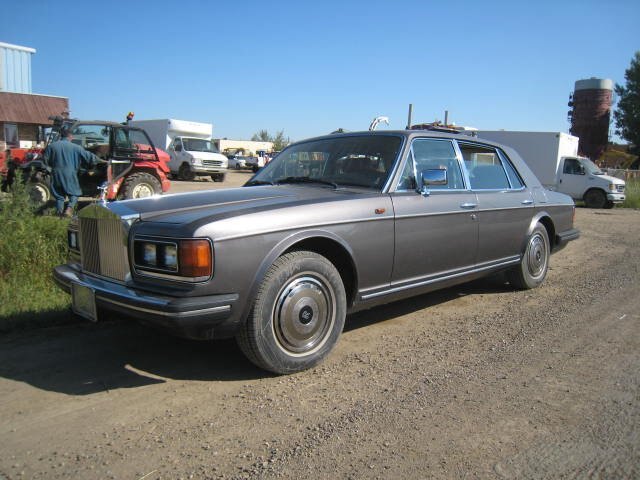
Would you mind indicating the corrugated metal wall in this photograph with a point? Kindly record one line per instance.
(15, 68)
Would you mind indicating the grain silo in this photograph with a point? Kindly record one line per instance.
(590, 114)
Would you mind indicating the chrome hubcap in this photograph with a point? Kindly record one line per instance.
(304, 314)
(537, 256)
(142, 190)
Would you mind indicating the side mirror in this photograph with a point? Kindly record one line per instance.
(432, 176)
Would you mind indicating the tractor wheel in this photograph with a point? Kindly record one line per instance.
(140, 185)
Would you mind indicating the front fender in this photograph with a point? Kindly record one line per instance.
(283, 246)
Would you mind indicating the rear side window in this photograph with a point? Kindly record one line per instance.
(514, 178)
(485, 167)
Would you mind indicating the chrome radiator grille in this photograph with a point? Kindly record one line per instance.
(620, 188)
(103, 246)
(212, 163)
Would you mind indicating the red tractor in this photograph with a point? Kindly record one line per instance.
(134, 168)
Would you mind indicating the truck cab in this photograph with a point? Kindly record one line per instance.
(192, 157)
(580, 178)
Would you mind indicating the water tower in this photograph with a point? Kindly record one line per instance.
(590, 113)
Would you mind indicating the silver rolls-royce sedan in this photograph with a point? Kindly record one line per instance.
(332, 225)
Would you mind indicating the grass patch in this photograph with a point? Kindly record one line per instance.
(632, 194)
(30, 246)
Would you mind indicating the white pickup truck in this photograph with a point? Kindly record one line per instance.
(553, 157)
(189, 146)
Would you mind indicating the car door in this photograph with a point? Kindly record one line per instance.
(505, 205)
(572, 179)
(436, 231)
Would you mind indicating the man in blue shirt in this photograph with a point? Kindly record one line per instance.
(65, 159)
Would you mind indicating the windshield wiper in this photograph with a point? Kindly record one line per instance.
(305, 180)
(258, 182)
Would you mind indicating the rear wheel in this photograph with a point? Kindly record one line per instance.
(534, 265)
(297, 316)
(140, 185)
(185, 173)
(595, 199)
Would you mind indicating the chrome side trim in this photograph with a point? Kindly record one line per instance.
(204, 311)
(428, 281)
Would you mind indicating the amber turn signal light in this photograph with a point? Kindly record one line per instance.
(196, 259)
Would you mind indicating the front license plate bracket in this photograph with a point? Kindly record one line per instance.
(83, 302)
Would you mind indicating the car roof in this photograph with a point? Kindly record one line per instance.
(411, 134)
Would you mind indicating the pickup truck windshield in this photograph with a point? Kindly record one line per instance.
(356, 161)
(199, 145)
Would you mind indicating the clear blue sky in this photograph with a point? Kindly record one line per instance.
(309, 68)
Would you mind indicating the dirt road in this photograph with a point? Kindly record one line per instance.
(477, 381)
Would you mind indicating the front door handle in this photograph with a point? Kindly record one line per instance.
(527, 202)
(468, 205)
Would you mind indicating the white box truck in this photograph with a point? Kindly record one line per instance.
(553, 157)
(189, 146)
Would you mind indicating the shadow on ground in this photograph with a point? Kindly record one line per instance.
(86, 358)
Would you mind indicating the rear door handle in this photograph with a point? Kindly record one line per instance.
(468, 205)
(527, 202)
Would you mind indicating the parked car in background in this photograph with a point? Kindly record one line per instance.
(255, 163)
(238, 162)
(332, 225)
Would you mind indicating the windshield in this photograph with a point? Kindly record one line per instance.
(361, 161)
(591, 167)
(198, 145)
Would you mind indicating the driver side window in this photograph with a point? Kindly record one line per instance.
(431, 154)
(573, 167)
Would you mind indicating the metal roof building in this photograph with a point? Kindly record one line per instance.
(15, 68)
(23, 114)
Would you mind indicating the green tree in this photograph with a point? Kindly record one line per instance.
(280, 141)
(627, 114)
(261, 136)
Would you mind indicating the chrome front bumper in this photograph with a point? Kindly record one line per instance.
(190, 317)
(616, 197)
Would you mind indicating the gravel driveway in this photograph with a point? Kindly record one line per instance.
(477, 381)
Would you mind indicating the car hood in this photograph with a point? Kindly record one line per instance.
(611, 179)
(212, 205)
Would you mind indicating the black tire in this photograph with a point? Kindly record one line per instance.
(533, 268)
(39, 192)
(140, 185)
(297, 316)
(217, 177)
(185, 173)
(609, 205)
(237, 166)
(595, 198)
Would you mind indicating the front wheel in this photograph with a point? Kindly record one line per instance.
(595, 199)
(140, 185)
(217, 177)
(534, 265)
(297, 316)
(185, 173)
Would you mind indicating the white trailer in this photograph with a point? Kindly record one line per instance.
(553, 157)
(191, 150)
